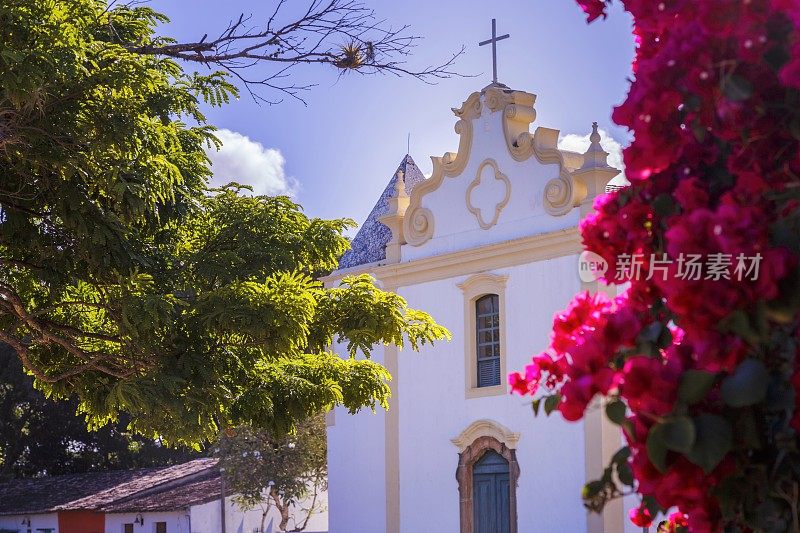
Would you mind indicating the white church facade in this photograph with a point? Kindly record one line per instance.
(489, 246)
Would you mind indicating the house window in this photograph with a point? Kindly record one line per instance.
(127, 528)
(487, 326)
(161, 527)
(484, 334)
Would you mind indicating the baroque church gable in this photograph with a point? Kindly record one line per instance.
(503, 183)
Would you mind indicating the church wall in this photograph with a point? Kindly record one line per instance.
(433, 408)
(356, 471)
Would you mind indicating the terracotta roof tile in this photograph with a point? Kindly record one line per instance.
(183, 496)
(93, 490)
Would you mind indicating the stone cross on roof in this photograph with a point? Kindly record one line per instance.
(493, 42)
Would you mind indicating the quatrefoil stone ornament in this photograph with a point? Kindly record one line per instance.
(488, 194)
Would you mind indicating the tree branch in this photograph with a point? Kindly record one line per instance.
(342, 33)
(47, 332)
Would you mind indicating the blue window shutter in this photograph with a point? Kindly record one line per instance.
(487, 333)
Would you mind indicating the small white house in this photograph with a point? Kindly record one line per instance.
(185, 498)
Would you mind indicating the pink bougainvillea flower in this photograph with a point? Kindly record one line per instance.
(714, 166)
(593, 9)
(674, 521)
(641, 516)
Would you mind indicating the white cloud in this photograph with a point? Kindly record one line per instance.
(580, 143)
(248, 162)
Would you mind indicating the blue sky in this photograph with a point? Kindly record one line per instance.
(336, 154)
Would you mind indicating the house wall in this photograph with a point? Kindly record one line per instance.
(205, 518)
(177, 522)
(38, 521)
(89, 522)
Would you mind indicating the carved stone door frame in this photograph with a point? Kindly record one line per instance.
(466, 460)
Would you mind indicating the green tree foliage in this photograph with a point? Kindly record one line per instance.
(285, 472)
(40, 437)
(127, 284)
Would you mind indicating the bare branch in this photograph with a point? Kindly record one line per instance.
(344, 34)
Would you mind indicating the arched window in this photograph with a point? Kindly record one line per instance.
(487, 343)
(484, 334)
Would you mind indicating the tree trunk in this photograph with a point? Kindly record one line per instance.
(283, 509)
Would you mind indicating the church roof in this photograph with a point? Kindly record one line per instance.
(369, 244)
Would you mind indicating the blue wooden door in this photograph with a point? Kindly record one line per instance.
(490, 494)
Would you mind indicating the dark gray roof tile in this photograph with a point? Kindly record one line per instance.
(369, 244)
